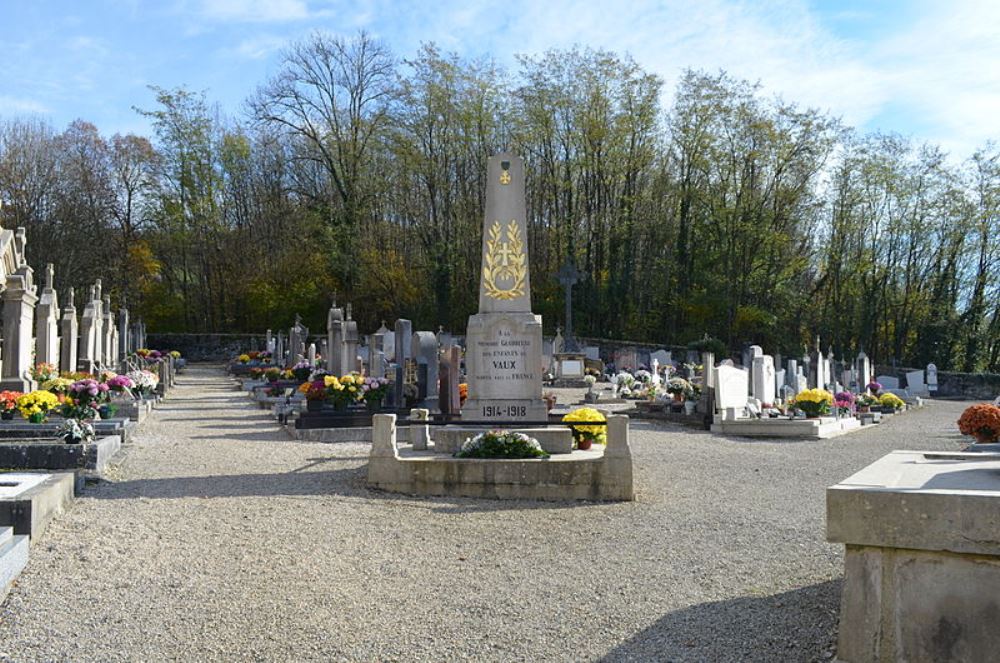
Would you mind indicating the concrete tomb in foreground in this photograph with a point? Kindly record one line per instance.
(922, 563)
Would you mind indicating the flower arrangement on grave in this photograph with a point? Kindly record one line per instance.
(865, 401)
(243, 359)
(650, 391)
(253, 354)
(74, 431)
(35, 406)
(623, 383)
(693, 392)
(73, 376)
(981, 421)
(287, 374)
(42, 372)
(118, 384)
(58, 386)
(144, 382)
(590, 380)
(256, 372)
(374, 390)
(643, 376)
(583, 434)
(175, 354)
(874, 387)
(315, 390)
(89, 392)
(678, 387)
(501, 444)
(814, 402)
(265, 357)
(891, 400)
(302, 370)
(844, 400)
(142, 352)
(463, 393)
(272, 374)
(8, 403)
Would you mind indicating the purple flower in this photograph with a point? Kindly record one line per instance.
(874, 386)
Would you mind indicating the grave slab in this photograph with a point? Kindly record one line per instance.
(29, 500)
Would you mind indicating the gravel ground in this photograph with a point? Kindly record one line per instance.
(220, 539)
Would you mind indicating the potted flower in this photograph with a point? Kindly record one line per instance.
(35, 406)
(691, 396)
(272, 374)
(373, 392)
(119, 385)
(43, 372)
(302, 370)
(623, 383)
(890, 403)
(8, 404)
(316, 394)
(874, 387)
(865, 402)
(144, 382)
(243, 358)
(981, 421)
(844, 400)
(89, 395)
(74, 431)
(463, 393)
(58, 386)
(586, 435)
(677, 387)
(814, 402)
(591, 396)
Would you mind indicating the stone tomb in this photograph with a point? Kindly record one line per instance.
(731, 391)
(504, 340)
(922, 562)
(29, 500)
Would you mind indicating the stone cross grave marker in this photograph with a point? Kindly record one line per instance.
(568, 276)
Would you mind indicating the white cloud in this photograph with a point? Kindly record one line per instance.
(17, 106)
(259, 11)
(259, 47)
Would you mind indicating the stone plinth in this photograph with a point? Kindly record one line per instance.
(922, 564)
(33, 499)
(597, 474)
(819, 429)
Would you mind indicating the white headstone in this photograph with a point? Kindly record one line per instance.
(731, 387)
(762, 382)
(915, 383)
(932, 377)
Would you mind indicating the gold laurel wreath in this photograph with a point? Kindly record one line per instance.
(493, 268)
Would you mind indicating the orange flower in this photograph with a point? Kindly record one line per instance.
(981, 420)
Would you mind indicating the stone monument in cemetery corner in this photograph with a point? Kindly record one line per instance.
(504, 340)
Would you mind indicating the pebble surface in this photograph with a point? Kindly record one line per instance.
(218, 538)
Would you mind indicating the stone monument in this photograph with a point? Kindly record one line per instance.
(504, 339)
(47, 322)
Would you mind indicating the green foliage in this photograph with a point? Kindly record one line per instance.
(501, 444)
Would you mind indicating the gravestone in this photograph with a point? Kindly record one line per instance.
(68, 342)
(762, 382)
(335, 339)
(731, 391)
(558, 342)
(269, 342)
(888, 382)
(47, 322)
(915, 383)
(403, 346)
(19, 300)
(932, 377)
(444, 338)
(779, 382)
(124, 340)
(449, 399)
(349, 358)
(568, 275)
(707, 364)
(279, 351)
(817, 368)
(662, 357)
(863, 365)
(98, 323)
(89, 340)
(504, 339)
(592, 352)
(727, 362)
(108, 329)
(388, 340)
(425, 352)
(311, 354)
(792, 374)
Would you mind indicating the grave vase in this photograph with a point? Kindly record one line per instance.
(37, 418)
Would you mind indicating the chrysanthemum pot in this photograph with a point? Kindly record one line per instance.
(584, 443)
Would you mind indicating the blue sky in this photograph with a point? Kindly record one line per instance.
(929, 69)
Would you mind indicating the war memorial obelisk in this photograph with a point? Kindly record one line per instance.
(503, 343)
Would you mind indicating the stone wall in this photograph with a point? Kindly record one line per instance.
(964, 386)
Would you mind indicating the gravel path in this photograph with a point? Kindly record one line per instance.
(220, 539)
